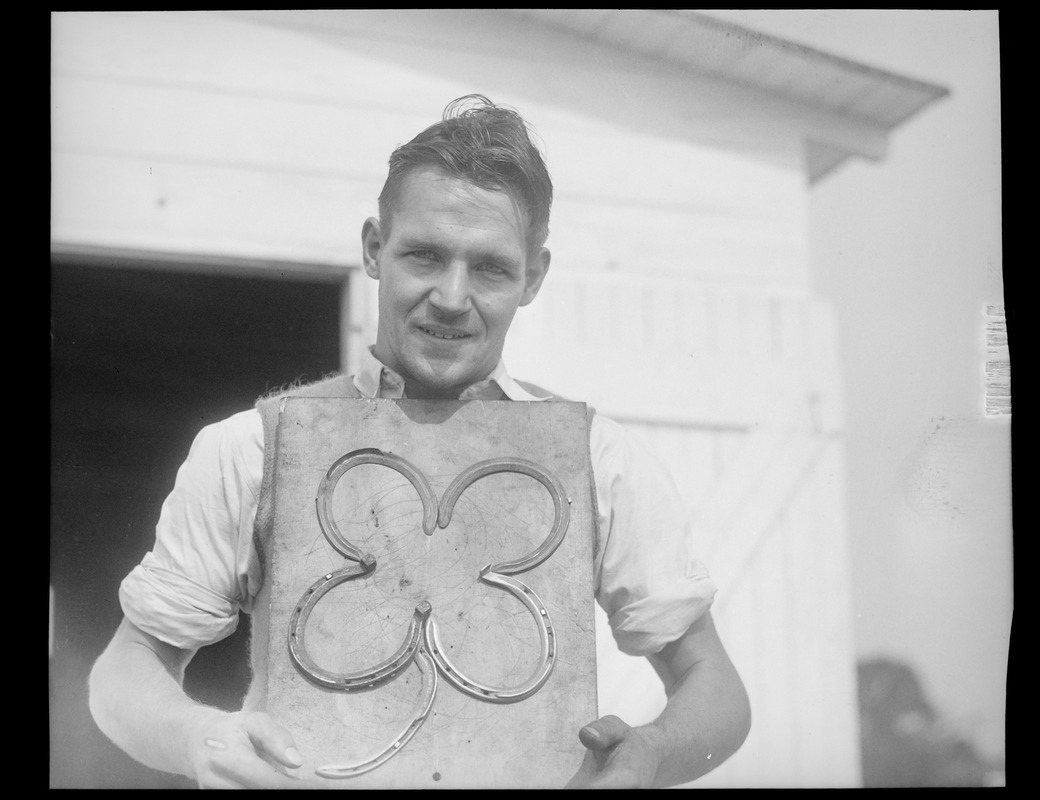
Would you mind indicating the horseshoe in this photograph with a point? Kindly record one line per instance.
(349, 681)
(346, 463)
(429, 690)
(547, 642)
(556, 491)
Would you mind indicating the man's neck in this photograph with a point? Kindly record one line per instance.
(416, 391)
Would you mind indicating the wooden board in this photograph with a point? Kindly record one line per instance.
(487, 632)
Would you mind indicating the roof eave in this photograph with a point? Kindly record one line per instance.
(825, 83)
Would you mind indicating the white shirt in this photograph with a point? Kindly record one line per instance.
(204, 568)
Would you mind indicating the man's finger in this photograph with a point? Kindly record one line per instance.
(272, 739)
(605, 732)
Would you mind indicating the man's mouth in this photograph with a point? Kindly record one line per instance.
(441, 333)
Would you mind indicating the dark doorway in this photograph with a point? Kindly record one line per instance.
(141, 358)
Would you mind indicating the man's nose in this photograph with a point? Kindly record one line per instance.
(451, 292)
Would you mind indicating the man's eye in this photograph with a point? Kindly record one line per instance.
(423, 255)
(492, 269)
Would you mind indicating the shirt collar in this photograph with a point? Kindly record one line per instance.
(374, 379)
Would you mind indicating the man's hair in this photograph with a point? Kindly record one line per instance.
(489, 146)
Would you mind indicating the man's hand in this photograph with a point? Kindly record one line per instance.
(619, 756)
(705, 719)
(138, 701)
(243, 750)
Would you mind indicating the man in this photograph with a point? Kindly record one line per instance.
(458, 247)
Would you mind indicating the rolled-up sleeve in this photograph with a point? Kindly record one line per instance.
(203, 569)
(648, 579)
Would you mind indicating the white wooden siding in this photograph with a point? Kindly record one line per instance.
(214, 133)
(734, 356)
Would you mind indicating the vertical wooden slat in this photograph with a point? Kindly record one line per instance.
(804, 603)
(775, 622)
(827, 508)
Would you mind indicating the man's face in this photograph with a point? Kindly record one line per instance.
(453, 268)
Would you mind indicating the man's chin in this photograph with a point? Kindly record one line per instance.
(442, 385)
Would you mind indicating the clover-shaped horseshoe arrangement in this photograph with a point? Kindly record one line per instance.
(422, 644)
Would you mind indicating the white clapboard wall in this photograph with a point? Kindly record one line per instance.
(679, 299)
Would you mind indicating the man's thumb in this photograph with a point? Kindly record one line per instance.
(273, 739)
(604, 733)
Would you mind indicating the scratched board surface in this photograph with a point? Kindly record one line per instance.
(488, 634)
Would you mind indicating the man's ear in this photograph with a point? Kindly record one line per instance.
(534, 274)
(371, 246)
